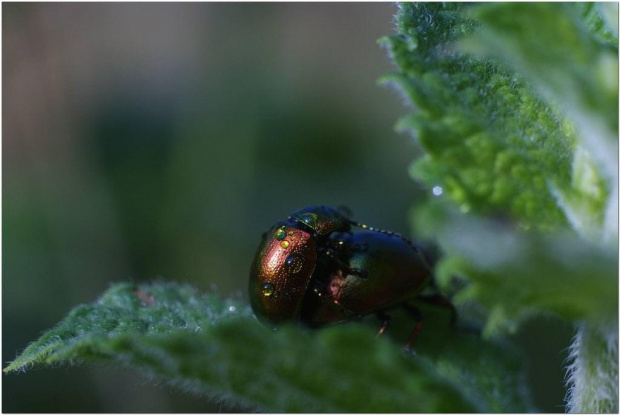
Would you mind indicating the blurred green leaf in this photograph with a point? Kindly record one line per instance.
(516, 274)
(601, 20)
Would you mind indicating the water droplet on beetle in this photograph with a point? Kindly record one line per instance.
(280, 234)
(267, 289)
(284, 244)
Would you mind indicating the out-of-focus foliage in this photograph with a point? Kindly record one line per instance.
(518, 274)
(516, 106)
(150, 140)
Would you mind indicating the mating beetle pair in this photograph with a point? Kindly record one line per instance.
(313, 268)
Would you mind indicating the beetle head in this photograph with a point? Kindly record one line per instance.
(281, 272)
(323, 220)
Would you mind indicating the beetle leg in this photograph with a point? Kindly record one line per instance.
(416, 330)
(385, 320)
(414, 335)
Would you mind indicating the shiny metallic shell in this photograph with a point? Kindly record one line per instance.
(281, 272)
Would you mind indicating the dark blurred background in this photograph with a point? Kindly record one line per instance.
(146, 140)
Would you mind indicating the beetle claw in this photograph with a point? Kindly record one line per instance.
(385, 321)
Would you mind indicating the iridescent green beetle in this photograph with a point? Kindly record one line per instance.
(313, 268)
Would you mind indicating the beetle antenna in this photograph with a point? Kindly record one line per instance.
(359, 224)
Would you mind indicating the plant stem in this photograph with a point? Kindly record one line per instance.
(593, 370)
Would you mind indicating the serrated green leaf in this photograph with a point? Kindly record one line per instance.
(127, 308)
(492, 144)
(552, 44)
(558, 47)
(571, 56)
(215, 347)
(286, 371)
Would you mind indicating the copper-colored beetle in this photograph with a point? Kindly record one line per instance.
(313, 268)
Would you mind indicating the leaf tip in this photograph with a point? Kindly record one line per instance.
(14, 366)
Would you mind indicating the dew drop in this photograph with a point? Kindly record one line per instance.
(267, 289)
